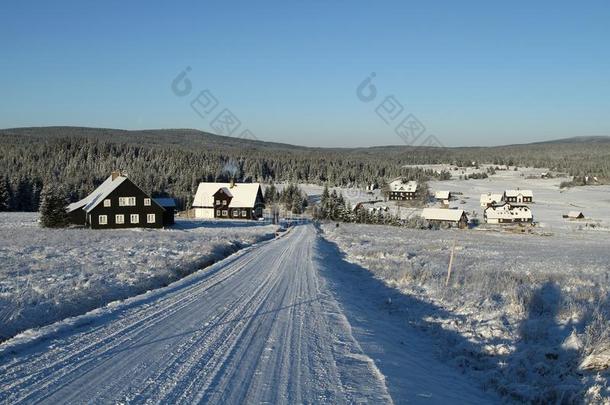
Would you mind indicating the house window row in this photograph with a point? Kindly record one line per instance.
(219, 202)
(235, 213)
(126, 202)
(120, 219)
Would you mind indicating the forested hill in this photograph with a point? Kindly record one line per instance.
(173, 161)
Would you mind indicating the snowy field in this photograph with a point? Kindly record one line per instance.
(47, 275)
(527, 315)
(550, 202)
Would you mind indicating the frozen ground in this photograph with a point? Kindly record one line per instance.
(526, 315)
(287, 321)
(550, 202)
(47, 275)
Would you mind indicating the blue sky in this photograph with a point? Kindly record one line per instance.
(472, 73)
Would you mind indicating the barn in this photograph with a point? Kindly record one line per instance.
(443, 196)
(169, 205)
(447, 216)
(117, 203)
(507, 213)
(229, 200)
(400, 190)
(575, 215)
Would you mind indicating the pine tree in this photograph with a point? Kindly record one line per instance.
(53, 207)
(5, 196)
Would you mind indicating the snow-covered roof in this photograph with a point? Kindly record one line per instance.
(442, 214)
(491, 197)
(524, 193)
(442, 195)
(166, 202)
(508, 211)
(244, 194)
(225, 190)
(399, 185)
(98, 195)
(575, 214)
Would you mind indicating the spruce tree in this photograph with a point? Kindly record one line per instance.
(53, 207)
(5, 196)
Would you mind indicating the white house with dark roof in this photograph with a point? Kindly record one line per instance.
(229, 200)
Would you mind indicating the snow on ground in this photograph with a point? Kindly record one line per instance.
(285, 322)
(550, 202)
(50, 274)
(526, 314)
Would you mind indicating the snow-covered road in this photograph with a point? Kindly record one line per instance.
(262, 326)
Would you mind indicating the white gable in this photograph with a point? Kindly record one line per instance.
(441, 195)
(508, 211)
(489, 198)
(515, 193)
(399, 185)
(244, 194)
(442, 214)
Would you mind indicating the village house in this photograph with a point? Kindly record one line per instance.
(446, 216)
(519, 196)
(443, 196)
(169, 205)
(400, 190)
(488, 199)
(118, 203)
(229, 200)
(507, 213)
(574, 215)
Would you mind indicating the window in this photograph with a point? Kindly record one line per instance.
(134, 218)
(146, 202)
(224, 202)
(225, 213)
(217, 213)
(107, 202)
(127, 201)
(217, 202)
(102, 219)
(235, 213)
(244, 213)
(119, 218)
(151, 218)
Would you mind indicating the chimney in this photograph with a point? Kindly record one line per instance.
(232, 183)
(115, 174)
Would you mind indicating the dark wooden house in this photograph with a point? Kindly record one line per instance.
(229, 200)
(169, 205)
(117, 203)
(400, 190)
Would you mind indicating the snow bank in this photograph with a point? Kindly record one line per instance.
(49, 274)
(532, 312)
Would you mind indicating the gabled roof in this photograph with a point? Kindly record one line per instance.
(442, 195)
(575, 214)
(225, 190)
(399, 185)
(244, 194)
(490, 197)
(524, 193)
(508, 211)
(165, 202)
(442, 214)
(98, 195)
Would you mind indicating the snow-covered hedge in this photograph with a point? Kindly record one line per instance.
(50, 274)
(533, 311)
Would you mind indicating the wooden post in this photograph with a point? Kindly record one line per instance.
(450, 264)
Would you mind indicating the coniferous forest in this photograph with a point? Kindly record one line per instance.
(173, 162)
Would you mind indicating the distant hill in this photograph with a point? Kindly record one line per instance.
(173, 161)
